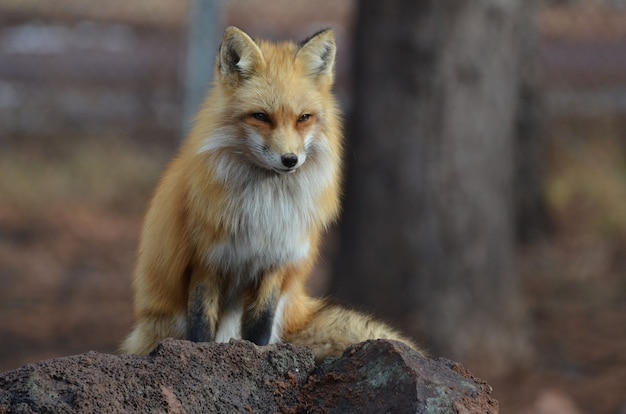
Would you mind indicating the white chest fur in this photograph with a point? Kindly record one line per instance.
(269, 217)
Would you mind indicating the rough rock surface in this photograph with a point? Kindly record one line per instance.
(388, 377)
(185, 377)
(178, 377)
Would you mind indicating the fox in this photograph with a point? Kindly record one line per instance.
(234, 227)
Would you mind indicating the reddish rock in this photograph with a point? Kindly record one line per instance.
(388, 377)
(185, 377)
(180, 376)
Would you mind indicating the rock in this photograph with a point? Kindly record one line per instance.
(178, 377)
(185, 377)
(388, 377)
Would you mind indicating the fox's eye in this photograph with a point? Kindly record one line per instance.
(304, 117)
(260, 116)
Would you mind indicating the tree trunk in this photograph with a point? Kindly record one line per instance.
(532, 218)
(427, 234)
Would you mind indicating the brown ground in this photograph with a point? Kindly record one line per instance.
(66, 285)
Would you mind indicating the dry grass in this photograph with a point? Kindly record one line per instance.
(587, 182)
(94, 171)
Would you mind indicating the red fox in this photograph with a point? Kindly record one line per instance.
(234, 227)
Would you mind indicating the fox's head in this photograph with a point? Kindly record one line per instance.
(274, 101)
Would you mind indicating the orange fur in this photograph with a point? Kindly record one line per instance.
(195, 220)
(233, 230)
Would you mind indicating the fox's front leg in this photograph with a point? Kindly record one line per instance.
(259, 309)
(203, 308)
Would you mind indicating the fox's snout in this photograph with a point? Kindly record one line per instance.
(289, 160)
(281, 161)
(280, 150)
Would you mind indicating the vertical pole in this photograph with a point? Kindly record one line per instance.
(204, 24)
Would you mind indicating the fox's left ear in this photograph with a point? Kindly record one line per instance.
(318, 54)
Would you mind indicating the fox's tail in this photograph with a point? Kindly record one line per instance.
(331, 329)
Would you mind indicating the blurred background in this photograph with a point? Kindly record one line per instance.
(485, 207)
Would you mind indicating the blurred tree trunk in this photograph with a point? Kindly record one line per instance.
(428, 228)
(532, 218)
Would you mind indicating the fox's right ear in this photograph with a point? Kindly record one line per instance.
(318, 54)
(238, 55)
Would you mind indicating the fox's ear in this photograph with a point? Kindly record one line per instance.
(238, 55)
(318, 54)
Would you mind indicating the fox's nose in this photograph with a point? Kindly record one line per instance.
(289, 160)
